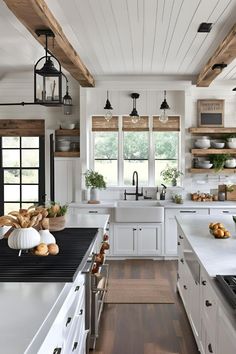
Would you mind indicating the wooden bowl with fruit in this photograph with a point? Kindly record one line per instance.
(218, 230)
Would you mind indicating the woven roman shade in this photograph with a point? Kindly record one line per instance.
(100, 124)
(173, 124)
(141, 125)
(22, 127)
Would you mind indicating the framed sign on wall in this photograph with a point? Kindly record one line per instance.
(210, 113)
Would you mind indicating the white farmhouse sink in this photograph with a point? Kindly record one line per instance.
(138, 211)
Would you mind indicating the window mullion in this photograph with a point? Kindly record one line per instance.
(120, 153)
(151, 157)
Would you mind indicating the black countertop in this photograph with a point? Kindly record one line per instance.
(74, 245)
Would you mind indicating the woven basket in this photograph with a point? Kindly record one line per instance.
(57, 223)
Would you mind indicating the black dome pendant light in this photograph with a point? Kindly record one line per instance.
(164, 106)
(108, 109)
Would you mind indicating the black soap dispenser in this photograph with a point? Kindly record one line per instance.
(163, 193)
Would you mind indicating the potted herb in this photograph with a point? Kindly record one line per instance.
(94, 181)
(171, 174)
(218, 161)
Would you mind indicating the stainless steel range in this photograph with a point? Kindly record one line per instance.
(227, 284)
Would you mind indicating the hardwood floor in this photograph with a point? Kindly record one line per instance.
(145, 328)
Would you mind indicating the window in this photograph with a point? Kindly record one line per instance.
(21, 171)
(117, 153)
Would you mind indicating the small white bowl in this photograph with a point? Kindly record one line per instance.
(217, 144)
(67, 125)
(231, 163)
(202, 144)
(231, 144)
(63, 148)
(204, 165)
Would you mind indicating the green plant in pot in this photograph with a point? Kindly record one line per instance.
(218, 161)
(170, 175)
(94, 181)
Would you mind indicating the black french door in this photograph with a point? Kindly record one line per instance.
(22, 172)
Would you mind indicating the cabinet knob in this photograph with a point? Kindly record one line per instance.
(179, 243)
(75, 346)
(185, 287)
(57, 351)
(81, 312)
(77, 288)
(208, 303)
(140, 229)
(182, 260)
(181, 237)
(134, 229)
(210, 348)
(204, 282)
(68, 321)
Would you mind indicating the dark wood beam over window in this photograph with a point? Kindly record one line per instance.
(35, 14)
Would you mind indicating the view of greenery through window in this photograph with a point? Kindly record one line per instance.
(136, 155)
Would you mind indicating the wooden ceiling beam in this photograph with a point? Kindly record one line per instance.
(225, 53)
(35, 14)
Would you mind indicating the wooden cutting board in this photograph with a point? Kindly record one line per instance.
(229, 195)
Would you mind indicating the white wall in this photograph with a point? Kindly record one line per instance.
(18, 87)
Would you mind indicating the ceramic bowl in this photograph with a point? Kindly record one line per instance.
(231, 163)
(202, 143)
(217, 144)
(67, 125)
(63, 148)
(231, 144)
(202, 164)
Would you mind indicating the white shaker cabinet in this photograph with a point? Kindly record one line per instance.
(137, 239)
(226, 337)
(67, 177)
(170, 244)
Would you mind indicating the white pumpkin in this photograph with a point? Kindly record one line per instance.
(46, 237)
(24, 238)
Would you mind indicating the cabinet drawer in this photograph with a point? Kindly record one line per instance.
(223, 211)
(191, 211)
(91, 210)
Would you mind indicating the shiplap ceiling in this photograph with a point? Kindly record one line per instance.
(128, 37)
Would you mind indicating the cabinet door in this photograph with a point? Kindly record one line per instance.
(171, 227)
(226, 335)
(149, 239)
(125, 240)
(64, 172)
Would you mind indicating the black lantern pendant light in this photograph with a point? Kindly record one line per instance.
(47, 78)
(164, 106)
(108, 109)
(67, 100)
(134, 114)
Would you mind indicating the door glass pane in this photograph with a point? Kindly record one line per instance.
(11, 158)
(29, 176)
(107, 168)
(10, 142)
(30, 142)
(10, 207)
(12, 193)
(30, 158)
(29, 193)
(11, 176)
(141, 166)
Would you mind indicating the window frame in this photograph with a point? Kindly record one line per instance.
(151, 153)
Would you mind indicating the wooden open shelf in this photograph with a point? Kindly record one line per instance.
(67, 132)
(209, 130)
(212, 170)
(204, 152)
(67, 154)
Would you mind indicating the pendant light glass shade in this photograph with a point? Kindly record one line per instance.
(134, 114)
(67, 100)
(108, 109)
(164, 106)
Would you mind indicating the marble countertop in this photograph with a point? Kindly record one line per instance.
(87, 220)
(217, 256)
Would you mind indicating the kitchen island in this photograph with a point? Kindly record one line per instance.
(29, 309)
(201, 257)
